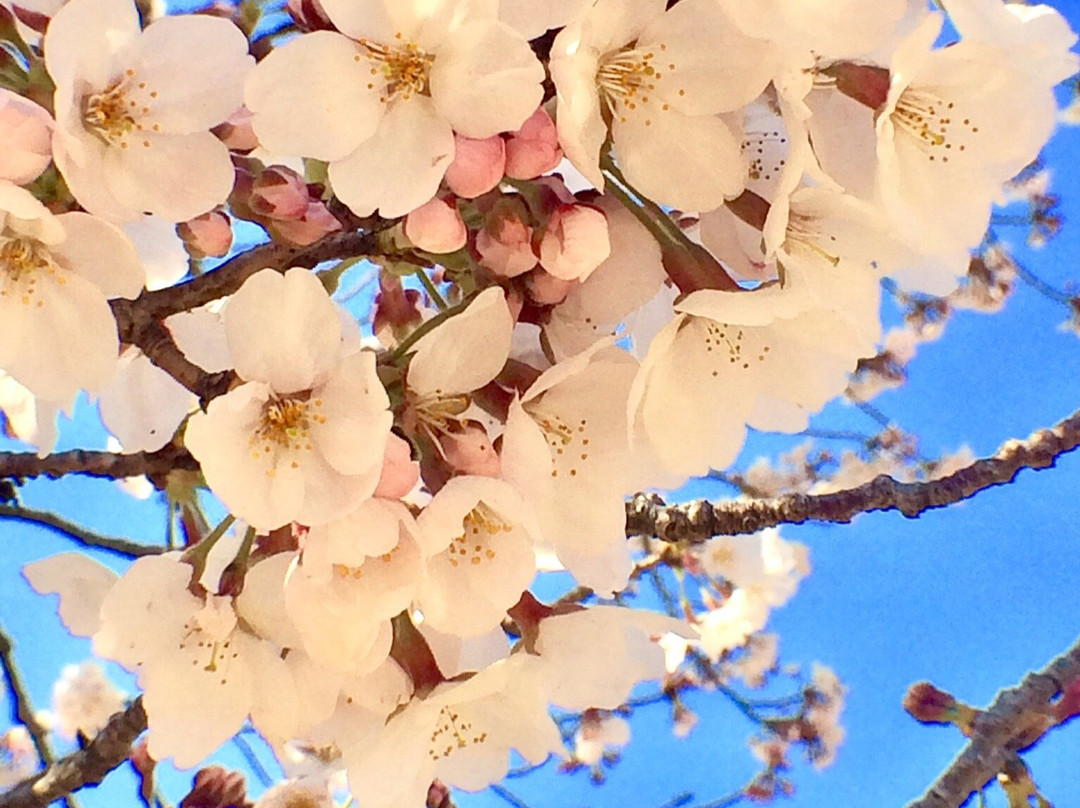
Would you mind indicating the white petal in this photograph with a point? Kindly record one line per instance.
(399, 168)
(192, 94)
(144, 405)
(101, 253)
(81, 583)
(467, 351)
(283, 330)
(83, 35)
(178, 177)
(311, 97)
(486, 80)
(354, 403)
(691, 163)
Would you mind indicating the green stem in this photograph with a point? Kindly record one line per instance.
(650, 214)
(432, 290)
(197, 555)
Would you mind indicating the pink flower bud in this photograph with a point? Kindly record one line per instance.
(545, 289)
(575, 242)
(477, 166)
(316, 222)
(505, 241)
(207, 235)
(534, 148)
(25, 138)
(436, 227)
(399, 472)
(470, 451)
(279, 193)
(236, 131)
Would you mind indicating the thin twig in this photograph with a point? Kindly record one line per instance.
(78, 534)
(24, 709)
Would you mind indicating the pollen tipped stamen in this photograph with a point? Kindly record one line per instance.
(405, 68)
(627, 77)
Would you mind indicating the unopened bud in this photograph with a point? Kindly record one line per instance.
(316, 222)
(236, 131)
(207, 235)
(534, 148)
(477, 166)
(575, 242)
(279, 193)
(436, 227)
(215, 787)
(505, 241)
(930, 705)
(399, 472)
(25, 138)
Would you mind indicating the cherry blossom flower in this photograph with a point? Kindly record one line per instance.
(133, 109)
(957, 123)
(659, 79)
(436, 227)
(303, 438)
(478, 535)
(462, 734)
(566, 449)
(57, 333)
(382, 99)
(767, 358)
(83, 700)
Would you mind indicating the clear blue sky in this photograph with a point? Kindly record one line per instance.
(970, 598)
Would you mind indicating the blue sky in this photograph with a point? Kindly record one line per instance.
(969, 598)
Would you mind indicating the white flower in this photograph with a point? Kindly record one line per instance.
(355, 574)
(725, 629)
(461, 734)
(659, 80)
(957, 123)
(599, 734)
(531, 18)
(303, 439)
(57, 333)
(458, 357)
(134, 108)
(594, 657)
(83, 700)
(762, 562)
(566, 449)
(766, 358)
(382, 99)
(478, 536)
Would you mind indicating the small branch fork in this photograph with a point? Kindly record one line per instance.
(696, 522)
(998, 733)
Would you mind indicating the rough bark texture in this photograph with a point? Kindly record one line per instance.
(695, 522)
(998, 733)
(96, 464)
(88, 766)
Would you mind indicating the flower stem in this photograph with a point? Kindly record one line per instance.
(432, 290)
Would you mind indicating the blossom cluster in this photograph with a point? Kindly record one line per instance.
(603, 253)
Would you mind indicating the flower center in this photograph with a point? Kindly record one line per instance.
(480, 525)
(561, 438)
(285, 423)
(404, 66)
(929, 121)
(22, 263)
(625, 79)
(741, 348)
(113, 114)
(452, 732)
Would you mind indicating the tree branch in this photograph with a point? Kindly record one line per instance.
(88, 766)
(998, 733)
(78, 534)
(96, 464)
(696, 522)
